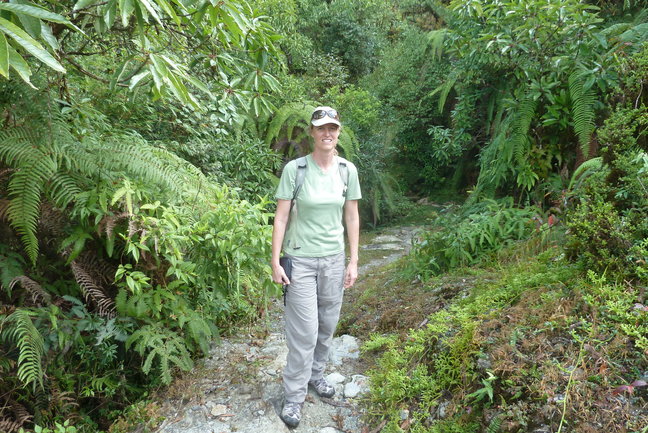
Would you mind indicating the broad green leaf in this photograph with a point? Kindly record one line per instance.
(48, 36)
(30, 24)
(141, 17)
(159, 81)
(137, 78)
(35, 12)
(151, 10)
(84, 3)
(4, 56)
(198, 84)
(19, 65)
(118, 74)
(29, 44)
(169, 11)
(110, 13)
(126, 8)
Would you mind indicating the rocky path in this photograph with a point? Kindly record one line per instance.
(237, 388)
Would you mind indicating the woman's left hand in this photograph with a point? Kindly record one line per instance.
(350, 275)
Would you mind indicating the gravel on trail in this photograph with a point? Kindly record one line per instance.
(238, 386)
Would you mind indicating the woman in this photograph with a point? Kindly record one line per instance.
(311, 234)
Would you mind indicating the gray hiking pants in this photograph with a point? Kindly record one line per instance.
(313, 305)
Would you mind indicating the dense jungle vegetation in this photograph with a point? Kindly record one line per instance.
(139, 150)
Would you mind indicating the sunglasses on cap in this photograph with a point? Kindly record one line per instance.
(320, 114)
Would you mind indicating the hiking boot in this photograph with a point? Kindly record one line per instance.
(291, 413)
(322, 388)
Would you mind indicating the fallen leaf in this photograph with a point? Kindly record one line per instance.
(623, 388)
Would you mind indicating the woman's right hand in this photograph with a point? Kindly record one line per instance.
(279, 275)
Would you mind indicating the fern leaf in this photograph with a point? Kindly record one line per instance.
(495, 424)
(4, 207)
(444, 90)
(436, 39)
(30, 345)
(25, 190)
(62, 189)
(92, 291)
(582, 108)
(34, 289)
(585, 170)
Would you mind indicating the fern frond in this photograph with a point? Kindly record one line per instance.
(109, 222)
(30, 345)
(162, 344)
(4, 207)
(62, 189)
(287, 118)
(444, 90)
(8, 425)
(495, 424)
(582, 108)
(51, 220)
(91, 291)
(34, 289)
(20, 412)
(436, 39)
(520, 129)
(25, 190)
(584, 170)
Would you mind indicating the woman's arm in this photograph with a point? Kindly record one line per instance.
(352, 222)
(278, 231)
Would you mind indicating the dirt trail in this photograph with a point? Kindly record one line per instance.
(237, 388)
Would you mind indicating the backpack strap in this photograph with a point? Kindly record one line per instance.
(302, 165)
(344, 175)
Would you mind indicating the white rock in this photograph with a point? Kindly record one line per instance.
(342, 347)
(335, 378)
(329, 430)
(359, 385)
(218, 410)
(351, 390)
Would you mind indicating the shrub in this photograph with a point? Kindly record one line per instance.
(469, 234)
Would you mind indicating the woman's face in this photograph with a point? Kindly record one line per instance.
(325, 136)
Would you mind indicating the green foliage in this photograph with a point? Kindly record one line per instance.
(58, 428)
(607, 224)
(617, 304)
(154, 342)
(541, 93)
(245, 164)
(288, 132)
(144, 258)
(583, 100)
(437, 364)
(469, 235)
(18, 329)
(148, 58)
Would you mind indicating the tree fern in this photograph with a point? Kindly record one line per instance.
(292, 122)
(48, 161)
(18, 328)
(582, 107)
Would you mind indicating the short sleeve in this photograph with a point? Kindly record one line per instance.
(287, 182)
(353, 187)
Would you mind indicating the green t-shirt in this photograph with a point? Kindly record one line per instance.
(315, 228)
